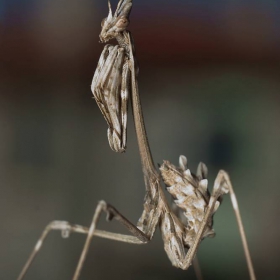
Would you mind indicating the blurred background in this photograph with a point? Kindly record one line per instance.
(209, 83)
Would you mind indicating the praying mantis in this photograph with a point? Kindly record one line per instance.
(182, 229)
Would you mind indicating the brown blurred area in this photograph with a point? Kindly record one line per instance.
(209, 83)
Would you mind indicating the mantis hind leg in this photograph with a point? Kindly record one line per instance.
(111, 213)
(240, 227)
(137, 237)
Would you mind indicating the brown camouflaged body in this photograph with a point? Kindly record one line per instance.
(190, 193)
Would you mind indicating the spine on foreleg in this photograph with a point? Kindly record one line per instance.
(190, 193)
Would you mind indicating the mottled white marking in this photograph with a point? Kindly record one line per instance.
(183, 162)
(199, 203)
(180, 201)
(187, 173)
(234, 201)
(217, 204)
(188, 190)
(203, 184)
(178, 179)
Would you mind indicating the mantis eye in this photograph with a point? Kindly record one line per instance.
(122, 23)
(103, 21)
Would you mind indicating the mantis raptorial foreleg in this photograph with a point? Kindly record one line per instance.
(110, 77)
(104, 62)
(124, 98)
(221, 187)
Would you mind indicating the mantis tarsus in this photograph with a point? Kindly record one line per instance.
(114, 81)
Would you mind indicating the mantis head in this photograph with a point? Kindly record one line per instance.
(113, 25)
